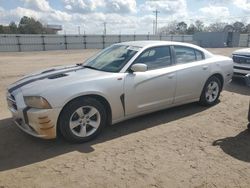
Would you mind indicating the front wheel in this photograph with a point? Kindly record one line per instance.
(82, 120)
(211, 92)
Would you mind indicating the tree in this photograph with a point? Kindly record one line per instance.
(247, 28)
(191, 29)
(171, 28)
(1, 29)
(26, 26)
(216, 27)
(238, 26)
(181, 27)
(13, 28)
(30, 26)
(199, 25)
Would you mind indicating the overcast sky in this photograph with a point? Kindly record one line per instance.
(122, 16)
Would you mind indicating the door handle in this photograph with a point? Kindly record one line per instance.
(170, 76)
(205, 67)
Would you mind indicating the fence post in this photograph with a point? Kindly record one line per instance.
(148, 36)
(65, 42)
(248, 40)
(134, 37)
(160, 36)
(119, 38)
(171, 37)
(18, 43)
(103, 41)
(182, 38)
(84, 41)
(43, 42)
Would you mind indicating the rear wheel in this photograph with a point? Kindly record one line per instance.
(82, 120)
(211, 92)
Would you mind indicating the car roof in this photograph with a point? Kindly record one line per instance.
(151, 43)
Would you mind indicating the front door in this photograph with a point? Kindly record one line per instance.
(153, 89)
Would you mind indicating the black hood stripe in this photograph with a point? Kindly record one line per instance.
(43, 77)
(48, 71)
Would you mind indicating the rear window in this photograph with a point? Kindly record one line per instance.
(186, 54)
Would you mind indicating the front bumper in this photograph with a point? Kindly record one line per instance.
(41, 123)
(36, 122)
(241, 71)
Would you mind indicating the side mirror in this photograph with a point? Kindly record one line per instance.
(139, 67)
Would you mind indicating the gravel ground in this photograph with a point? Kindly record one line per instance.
(186, 146)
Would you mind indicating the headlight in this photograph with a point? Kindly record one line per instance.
(37, 102)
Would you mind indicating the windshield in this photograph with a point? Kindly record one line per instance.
(112, 59)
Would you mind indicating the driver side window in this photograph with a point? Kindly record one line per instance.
(155, 58)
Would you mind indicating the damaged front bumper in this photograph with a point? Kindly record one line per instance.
(39, 123)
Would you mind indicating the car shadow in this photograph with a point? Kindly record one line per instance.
(237, 146)
(18, 149)
(238, 85)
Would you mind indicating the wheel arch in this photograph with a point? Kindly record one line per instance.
(100, 98)
(220, 77)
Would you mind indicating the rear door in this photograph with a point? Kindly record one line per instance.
(192, 73)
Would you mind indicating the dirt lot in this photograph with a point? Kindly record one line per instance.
(187, 146)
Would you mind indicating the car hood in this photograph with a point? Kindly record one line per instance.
(245, 51)
(54, 77)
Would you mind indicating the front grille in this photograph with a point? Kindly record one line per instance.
(242, 68)
(241, 59)
(239, 74)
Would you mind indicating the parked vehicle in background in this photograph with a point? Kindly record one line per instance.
(248, 83)
(249, 117)
(241, 60)
(248, 80)
(123, 81)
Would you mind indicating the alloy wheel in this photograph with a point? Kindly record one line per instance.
(212, 91)
(85, 121)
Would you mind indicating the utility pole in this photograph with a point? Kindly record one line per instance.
(79, 30)
(153, 27)
(84, 32)
(156, 19)
(104, 28)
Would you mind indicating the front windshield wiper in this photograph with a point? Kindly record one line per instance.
(87, 66)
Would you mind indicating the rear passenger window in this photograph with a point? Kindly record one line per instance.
(186, 55)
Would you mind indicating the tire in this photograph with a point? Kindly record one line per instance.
(211, 92)
(82, 120)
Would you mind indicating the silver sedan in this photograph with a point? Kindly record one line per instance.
(121, 82)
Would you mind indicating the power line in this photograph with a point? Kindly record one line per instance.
(205, 19)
